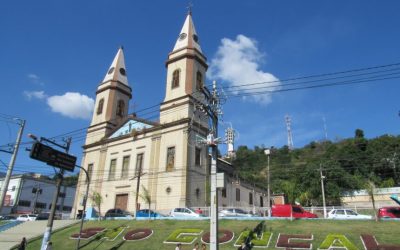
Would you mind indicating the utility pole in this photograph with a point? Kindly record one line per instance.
(268, 152)
(38, 191)
(138, 188)
(213, 110)
(49, 227)
(10, 168)
(84, 205)
(212, 142)
(323, 189)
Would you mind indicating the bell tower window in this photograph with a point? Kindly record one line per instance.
(120, 108)
(100, 106)
(175, 78)
(199, 80)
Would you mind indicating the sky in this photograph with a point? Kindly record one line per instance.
(53, 55)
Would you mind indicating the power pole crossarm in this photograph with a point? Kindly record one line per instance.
(10, 168)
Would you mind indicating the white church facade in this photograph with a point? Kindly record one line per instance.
(124, 153)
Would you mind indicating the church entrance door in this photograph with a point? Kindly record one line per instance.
(121, 201)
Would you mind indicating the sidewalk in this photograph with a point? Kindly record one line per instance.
(29, 229)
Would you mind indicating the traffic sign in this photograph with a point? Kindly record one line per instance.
(53, 157)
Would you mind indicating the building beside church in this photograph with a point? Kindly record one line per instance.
(126, 155)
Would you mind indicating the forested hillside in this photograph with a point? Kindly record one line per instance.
(348, 164)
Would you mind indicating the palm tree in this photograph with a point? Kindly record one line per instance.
(97, 200)
(370, 187)
(145, 195)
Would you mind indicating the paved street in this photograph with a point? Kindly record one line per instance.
(29, 229)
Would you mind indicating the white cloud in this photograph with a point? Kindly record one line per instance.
(35, 94)
(238, 63)
(72, 104)
(35, 79)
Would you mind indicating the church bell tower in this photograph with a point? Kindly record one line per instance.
(186, 69)
(112, 100)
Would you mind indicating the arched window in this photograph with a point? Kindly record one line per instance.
(175, 78)
(199, 80)
(100, 106)
(120, 108)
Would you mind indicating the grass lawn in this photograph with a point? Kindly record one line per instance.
(386, 232)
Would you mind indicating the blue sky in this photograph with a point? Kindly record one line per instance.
(50, 50)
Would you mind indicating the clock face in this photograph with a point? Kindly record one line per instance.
(110, 70)
(182, 36)
(122, 71)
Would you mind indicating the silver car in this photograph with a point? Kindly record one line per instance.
(233, 212)
(347, 214)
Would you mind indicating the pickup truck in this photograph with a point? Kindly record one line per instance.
(289, 210)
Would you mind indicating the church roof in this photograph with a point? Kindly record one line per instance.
(188, 37)
(117, 70)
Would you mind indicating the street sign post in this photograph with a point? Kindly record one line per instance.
(53, 157)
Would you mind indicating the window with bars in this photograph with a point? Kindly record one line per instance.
(139, 164)
(170, 159)
(120, 108)
(24, 203)
(175, 78)
(111, 173)
(199, 80)
(197, 158)
(223, 192)
(100, 106)
(125, 166)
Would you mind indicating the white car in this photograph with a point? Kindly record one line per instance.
(233, 212)
(27, 217)
(183, 212)
(347, 214)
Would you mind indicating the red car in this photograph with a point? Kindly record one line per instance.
(288, 210)
(389, 212)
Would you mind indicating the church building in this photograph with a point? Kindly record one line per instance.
(128, 157)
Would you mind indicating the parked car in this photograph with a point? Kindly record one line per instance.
(288, 210)
(145, 213)
(389, 212)
(7, 217)
(346, 214)
(118, 213)
(45, 216)
(233, 212)
(183, 212)
(27, 217)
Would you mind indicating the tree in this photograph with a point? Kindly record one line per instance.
(97, 200)
(370, 187)
(145, 195)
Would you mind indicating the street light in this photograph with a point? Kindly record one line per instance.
(268, 152)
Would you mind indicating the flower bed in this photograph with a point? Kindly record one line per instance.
(138, 234)
(88, 233)
(370, 243)
(224, 236)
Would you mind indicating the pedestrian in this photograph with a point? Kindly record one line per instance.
(203, 246)
(178, 246)
(49, 246)
(196, 246)
(22, 245)
(198, 211)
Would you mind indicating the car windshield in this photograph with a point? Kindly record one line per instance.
(351, 212)
(297, 210)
